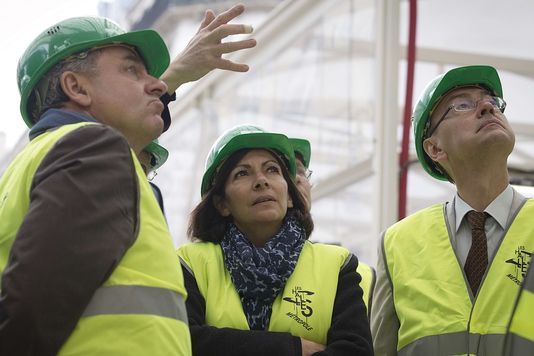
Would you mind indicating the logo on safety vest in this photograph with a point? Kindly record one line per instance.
(521, 261)
(302, 304)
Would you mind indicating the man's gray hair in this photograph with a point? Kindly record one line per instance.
(48, 93)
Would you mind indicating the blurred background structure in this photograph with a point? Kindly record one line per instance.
(335, 72)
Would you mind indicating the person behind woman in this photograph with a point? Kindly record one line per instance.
(151, 158)
(302, 149)
(256, 285)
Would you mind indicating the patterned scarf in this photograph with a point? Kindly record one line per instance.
(259, 274)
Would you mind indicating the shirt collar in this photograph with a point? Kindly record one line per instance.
(53, 118)
(498, 209)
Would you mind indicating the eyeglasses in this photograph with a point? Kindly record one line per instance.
(307, 173)
(151, 175)
(463, 105)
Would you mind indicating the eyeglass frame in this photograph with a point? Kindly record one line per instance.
(307, 173)
(501, 108)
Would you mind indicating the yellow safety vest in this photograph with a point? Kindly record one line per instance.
(303, 308)
(367, 284)
(520, 337)
(431, 294)
(140, 309)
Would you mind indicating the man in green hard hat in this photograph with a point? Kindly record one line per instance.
(448, 275)
(87, 260)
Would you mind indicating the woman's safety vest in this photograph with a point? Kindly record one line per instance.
(140, 309)
(432, 297)
(520, 337)
(367, 284)
(303, 308)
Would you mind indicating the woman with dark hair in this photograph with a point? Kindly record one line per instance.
(256, 285)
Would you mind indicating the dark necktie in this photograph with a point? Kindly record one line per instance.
(477, 258)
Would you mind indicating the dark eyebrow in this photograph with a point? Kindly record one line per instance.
(456, 96)
(468, 95)
(134, 58)
(245, 165)
(270, 161)
(241, 165)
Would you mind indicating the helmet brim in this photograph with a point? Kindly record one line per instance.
(158, 153)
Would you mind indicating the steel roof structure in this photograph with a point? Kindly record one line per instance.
(334, 72)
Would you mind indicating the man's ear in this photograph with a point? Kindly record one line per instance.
(433, 149)
(74, 85)
(220, 204)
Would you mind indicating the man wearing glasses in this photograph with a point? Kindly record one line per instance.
(448, 275)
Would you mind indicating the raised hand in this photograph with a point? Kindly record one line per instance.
(204, 51)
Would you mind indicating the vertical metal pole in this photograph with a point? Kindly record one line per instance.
(387, 115)
(406, 125)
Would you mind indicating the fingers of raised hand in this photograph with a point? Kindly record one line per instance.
(228, 47)
(226, 16)
(228, 30)
(209, 16)
(226, 64)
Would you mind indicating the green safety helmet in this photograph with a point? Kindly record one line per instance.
(240, 137)
(303, 148)
(158, 155)
(74, 35)
(479, 75)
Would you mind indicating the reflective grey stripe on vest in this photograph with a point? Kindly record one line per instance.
(529, 281)
(125, 299)
(456, 344)
(519, 346)
(515, 344)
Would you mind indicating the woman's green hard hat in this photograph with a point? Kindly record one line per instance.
(477, 75)
(243, 137)
(77, 34)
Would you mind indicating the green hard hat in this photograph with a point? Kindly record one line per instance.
(303, 148)
(479, 75)
(74, 35)
(240, 137)
(158, 155)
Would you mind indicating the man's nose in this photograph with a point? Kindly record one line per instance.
(156, 86)
(485, 106)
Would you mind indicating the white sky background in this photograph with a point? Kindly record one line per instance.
(20, 22)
